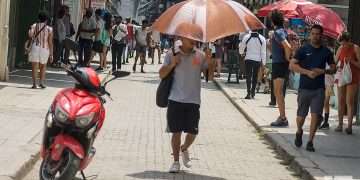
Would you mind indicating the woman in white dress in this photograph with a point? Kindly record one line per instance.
(41, 50)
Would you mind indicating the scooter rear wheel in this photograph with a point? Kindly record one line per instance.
(64, 169)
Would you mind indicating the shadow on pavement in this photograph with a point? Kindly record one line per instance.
(333, 162)
(54, 78)
(166, 175)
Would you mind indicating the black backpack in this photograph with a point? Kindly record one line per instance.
(253, 35)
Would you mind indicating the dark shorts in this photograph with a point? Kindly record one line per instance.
(98, 47)
(140, 49)
(313, 99)
(280, 70)
(183, 117)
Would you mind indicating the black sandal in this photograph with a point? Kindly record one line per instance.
(42, 86)
(348, 131)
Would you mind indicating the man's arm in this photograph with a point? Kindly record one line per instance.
(263, 51)
(294, 66)
(169, 66)
(242, 45)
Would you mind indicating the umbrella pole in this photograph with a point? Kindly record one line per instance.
(264, 30)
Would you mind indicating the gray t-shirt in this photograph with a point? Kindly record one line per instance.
(87, 24)
(187, 77)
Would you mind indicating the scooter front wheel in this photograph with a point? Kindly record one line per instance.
(64, 169)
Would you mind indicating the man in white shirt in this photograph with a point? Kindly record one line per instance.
(60, 36)
(118, 43)
(141, 38)
(155, 37)
(253, 46)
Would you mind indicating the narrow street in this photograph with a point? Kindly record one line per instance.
(133, 143)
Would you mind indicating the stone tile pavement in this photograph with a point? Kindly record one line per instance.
(133, 144)
(22, 112)
(336, 155)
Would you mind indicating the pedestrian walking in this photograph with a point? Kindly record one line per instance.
(129, 51)
(219, 55)
(59, 37)
(105, 38)
(183, 113)
(119, 43)
(329, 91)
(141, 37)
(253, 47)
(156, 41)
(98, 46)
(310, 61)
(41, 50)
(84, 36)
(70, 31)
(281, 52)
(348, 53)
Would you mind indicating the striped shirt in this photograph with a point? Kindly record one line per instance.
(42, 38)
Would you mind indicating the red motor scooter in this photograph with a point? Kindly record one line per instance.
(72, 123)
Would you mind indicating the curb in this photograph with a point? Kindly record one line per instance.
(29, 164)
(303, 167)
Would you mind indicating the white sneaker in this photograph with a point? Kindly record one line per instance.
(175, 167)
(186, 158)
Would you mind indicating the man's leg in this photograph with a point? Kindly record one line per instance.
(189, 140)
(255, 67)
(81, 52)
(87, 52)
(303, 101)
(159, 54)
(248, 68)
(142, 61)
(175, 144)
(114, 53)
(66, 56)
(119, 55)
(313, 126)
(136, 59)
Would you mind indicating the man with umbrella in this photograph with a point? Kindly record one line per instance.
(183, 113)
(193, 21)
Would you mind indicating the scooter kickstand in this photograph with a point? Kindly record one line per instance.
(83, 175)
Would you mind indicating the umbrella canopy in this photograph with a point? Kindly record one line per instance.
(287, 7)
(207, 20)
(316, 14)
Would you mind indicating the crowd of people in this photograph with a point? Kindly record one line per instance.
(98, 33)
(270, 60)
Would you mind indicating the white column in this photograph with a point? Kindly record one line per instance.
(4, 38)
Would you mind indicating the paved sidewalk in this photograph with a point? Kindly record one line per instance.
(337, 154)
(133, 144)
(22, 116)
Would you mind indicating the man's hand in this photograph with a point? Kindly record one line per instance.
(311, 74)
(175, 60)
(318, 71)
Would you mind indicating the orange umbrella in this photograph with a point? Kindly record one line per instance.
(207, 20)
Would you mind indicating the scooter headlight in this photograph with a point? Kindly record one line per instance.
(60, 115)
(83, 121)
